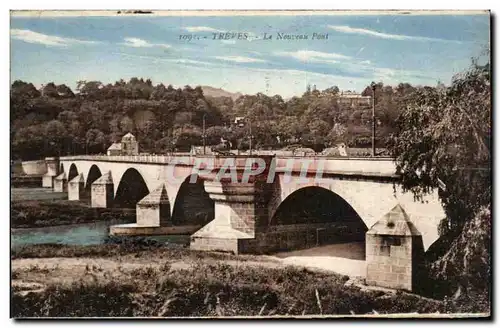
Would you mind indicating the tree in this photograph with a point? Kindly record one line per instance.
(215, 133)
(289, 129)
(95, 140)
(50, 90)
(54, 134)
(28, 142)
(21, 96)
(186, 136)
(64, 91)
(126, 124)
(26, 89)
(331, 90)
(444, 142)
(90, 89)
(337, 134)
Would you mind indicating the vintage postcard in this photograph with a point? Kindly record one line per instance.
(256, 164)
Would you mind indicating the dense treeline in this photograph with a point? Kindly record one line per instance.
(54, 120)
(443, 143)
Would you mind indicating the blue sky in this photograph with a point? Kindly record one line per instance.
(417, 49)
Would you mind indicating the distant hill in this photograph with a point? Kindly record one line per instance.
(217, 92)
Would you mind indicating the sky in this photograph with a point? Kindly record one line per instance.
(205, 50)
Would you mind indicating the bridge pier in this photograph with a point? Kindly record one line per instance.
(240, 212)
(52, 171)
(394, 252)
(154, 209)
(152, 218)
(102, 191)
(76, 188)
(61, 183)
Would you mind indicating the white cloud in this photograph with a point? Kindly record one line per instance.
(359, 68)
(363, 31)
(313, 56)
(182, 61)
(189, 61)
(193, 29)
(45, 39)
(286, 82)
(387, 75)
(140, 43)
(240, 59)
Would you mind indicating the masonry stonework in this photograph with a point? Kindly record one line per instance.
(76, 188)
(241, 210)
(52, 171)
(61, 183)
(300, 236)
(394, 251)
(154, 209)
(102, 191)
(242, 215)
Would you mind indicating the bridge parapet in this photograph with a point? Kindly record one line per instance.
(381, 167)
(161, 159)
(324, 165)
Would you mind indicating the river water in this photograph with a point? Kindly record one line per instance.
(77, 234)
(74, 234)
(346, 258)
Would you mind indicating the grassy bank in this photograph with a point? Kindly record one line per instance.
(206, 289)
(43, 213)
(149, 280)
(24, 181)
(130, 249)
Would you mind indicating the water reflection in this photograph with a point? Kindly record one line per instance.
(76, 234)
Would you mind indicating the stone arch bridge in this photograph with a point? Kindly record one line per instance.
(289, 203)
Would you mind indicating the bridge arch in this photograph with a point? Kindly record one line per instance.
(192, 204)
(131, 189)
(73, 172)
(92, 176)
(318, 205)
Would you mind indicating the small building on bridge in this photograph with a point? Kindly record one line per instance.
(115, 149)
(127, 146)
(198, 150)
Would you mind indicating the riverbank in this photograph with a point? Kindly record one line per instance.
(25, 181)
(112, 280)
(154, 281)
(46, 213)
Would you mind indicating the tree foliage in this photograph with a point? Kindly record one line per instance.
(443, 141)
(164, 118)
